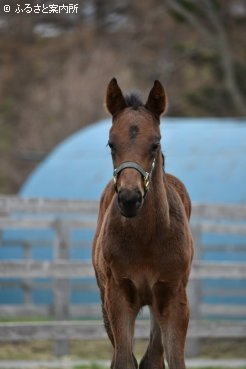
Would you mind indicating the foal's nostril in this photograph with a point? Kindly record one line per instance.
(138, 198)
(120, 196)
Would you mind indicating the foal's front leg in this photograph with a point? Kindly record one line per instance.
(121, 314)
(173, 318)
(153, 358)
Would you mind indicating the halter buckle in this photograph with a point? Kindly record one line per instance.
(115, 175)
(146, 182)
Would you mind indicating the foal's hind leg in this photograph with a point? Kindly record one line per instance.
(153, 358)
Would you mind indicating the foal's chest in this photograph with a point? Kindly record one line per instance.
(146, 266)
(147, 257)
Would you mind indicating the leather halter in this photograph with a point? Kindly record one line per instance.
(132, 165)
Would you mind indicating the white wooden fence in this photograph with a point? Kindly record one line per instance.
(65, 216)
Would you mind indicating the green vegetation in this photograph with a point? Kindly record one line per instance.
(101, 350)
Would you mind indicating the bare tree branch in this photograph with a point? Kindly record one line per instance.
(217, 40)
(226, 58)
(192, 19)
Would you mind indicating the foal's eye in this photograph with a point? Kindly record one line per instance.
(111, 145)
(154, 146)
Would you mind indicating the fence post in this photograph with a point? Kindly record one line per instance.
(27, 283)
(195, 296)
(61, 285)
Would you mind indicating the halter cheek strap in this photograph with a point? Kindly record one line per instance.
(131, 164)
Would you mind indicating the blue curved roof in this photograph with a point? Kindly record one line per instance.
(208, 155)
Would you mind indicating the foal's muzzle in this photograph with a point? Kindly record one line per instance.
(129, 202)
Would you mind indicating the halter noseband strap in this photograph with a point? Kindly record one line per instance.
(131, 164)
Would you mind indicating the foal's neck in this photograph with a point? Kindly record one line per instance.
(156, 202)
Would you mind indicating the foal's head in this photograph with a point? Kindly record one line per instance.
(134, 140)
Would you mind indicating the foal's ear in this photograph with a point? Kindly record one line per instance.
(115, 100)
(157, 100)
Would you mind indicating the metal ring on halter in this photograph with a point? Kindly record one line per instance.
(131, 164)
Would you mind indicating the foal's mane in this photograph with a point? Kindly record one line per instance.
(133, 100)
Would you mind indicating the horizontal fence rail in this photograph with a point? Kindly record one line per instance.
(45, 269)
(43, 223)
(93, 311)
(95, 329)
(68, 269)
(232, 212)
(9, 204)
(16, 204)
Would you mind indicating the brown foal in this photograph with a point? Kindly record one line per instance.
(142, 249)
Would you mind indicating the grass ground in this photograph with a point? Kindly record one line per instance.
(101, 349)
(97, 350)
(97, 366)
